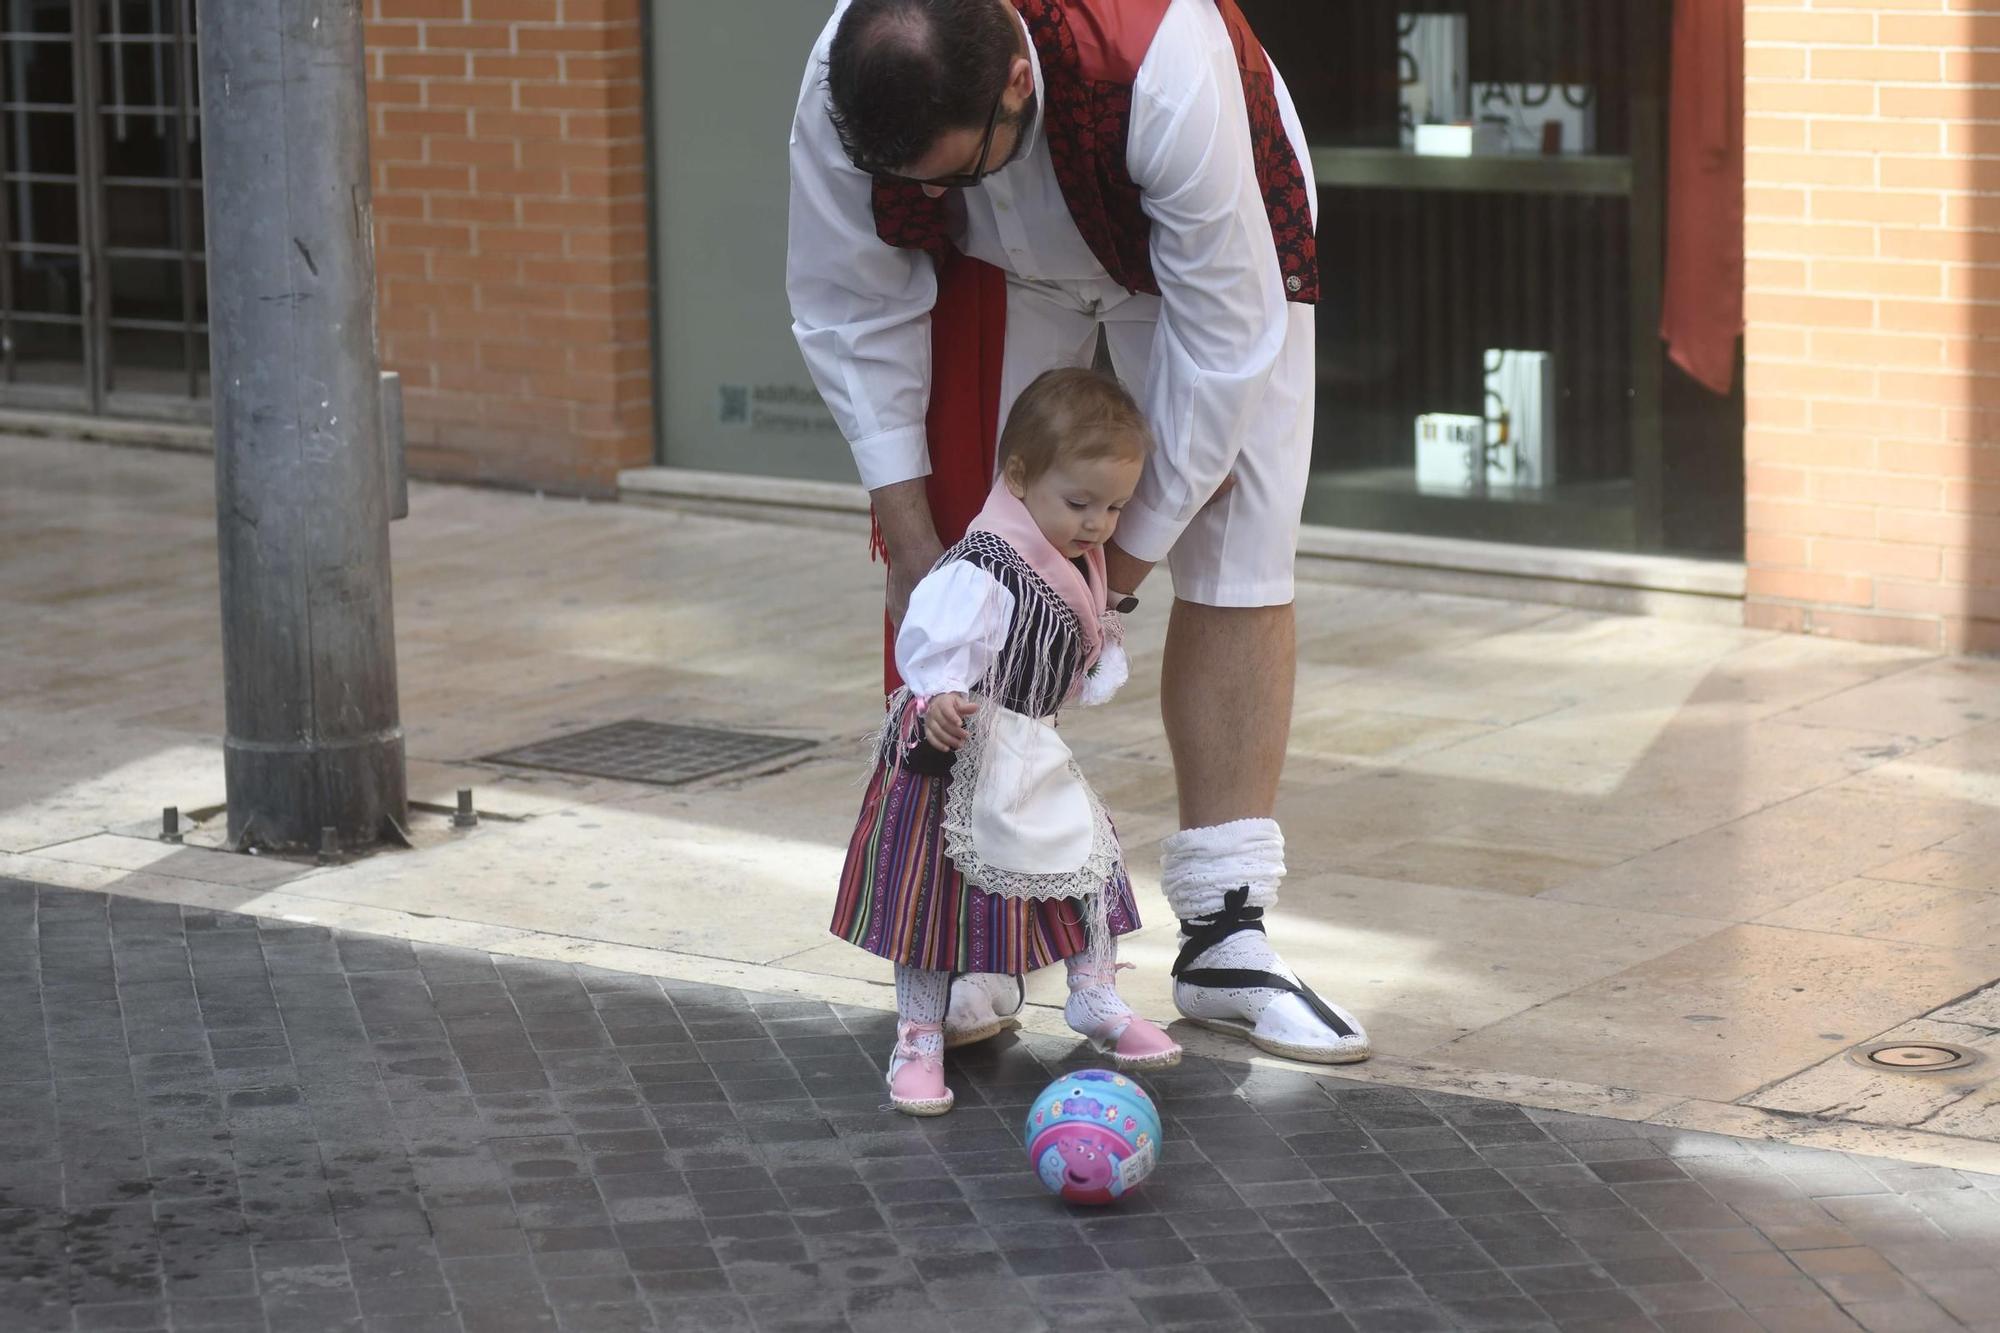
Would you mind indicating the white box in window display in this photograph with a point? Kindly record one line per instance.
(1520, 425)
(1461, 140)
(1451, 454)
(1525, 113)
(1432, 71)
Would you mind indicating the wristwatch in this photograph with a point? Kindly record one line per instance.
(1124, 605)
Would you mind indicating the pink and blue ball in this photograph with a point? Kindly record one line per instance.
(1093, 1136)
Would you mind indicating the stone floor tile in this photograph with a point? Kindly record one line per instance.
(1903, 1317)
(1710, 1321)
(1826, 1318)
(498, 1206)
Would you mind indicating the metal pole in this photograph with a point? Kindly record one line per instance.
(314, 742)
(395, 451)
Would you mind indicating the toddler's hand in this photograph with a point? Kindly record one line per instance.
(945, 720)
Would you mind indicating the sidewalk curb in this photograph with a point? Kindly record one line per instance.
(176, 437)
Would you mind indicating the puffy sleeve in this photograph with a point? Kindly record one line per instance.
(955, 627)
(861, 309)
(1113, 669)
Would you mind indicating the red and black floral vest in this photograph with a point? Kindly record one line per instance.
(1090, 52)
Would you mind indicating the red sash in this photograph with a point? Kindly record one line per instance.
(968, 342)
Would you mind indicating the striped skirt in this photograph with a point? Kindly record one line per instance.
(901, 897)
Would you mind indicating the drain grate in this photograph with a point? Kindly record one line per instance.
(1915, 1057)
(655, 752)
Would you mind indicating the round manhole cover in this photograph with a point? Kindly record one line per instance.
(1915, 1057)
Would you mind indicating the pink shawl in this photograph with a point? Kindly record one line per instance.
(1008, 519)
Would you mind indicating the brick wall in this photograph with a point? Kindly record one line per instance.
(510, 206)
(1873, 301)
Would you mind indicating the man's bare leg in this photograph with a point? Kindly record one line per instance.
(1226, 697)
(1226, 692)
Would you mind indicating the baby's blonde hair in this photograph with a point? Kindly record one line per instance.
(1071, 415)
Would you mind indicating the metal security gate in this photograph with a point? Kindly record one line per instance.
(104, 289)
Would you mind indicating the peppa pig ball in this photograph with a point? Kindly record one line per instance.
(1093, 1136)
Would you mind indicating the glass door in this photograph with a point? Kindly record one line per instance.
(104, 299)
(43, 334)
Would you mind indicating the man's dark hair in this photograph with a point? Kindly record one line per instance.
(902, 72)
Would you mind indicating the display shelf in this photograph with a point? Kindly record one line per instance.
(1512, 173)
(1589, 515)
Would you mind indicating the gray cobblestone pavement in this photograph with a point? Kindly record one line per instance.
(213, 1122)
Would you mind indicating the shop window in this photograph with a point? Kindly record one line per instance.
(1510, 297)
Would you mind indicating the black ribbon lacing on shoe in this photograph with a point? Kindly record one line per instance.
(1237, 916)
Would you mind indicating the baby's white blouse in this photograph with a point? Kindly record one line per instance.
(957, 624)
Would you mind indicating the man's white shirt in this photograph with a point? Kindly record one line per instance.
(861, 308)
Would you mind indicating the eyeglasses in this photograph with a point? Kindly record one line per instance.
(958, 180)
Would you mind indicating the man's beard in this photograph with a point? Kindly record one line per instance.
(1020, 121)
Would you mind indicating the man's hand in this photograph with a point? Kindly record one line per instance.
(903, 513)
(945, 721)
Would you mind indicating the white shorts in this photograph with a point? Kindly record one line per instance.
(1239, 551)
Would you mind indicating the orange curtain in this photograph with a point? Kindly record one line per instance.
(1702, 314)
